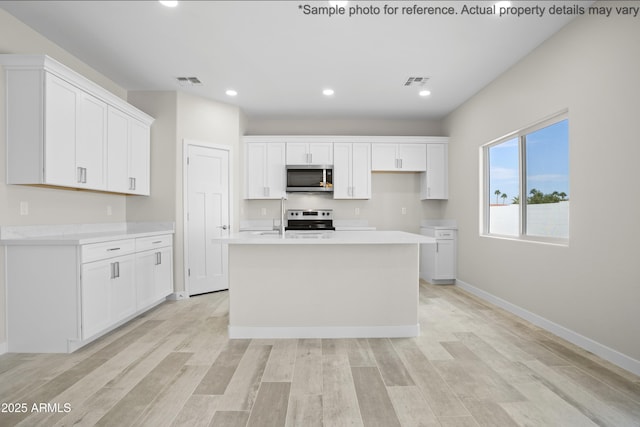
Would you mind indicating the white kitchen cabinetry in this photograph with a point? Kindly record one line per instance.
(352, 171)
(128, 154)
(265, 170)
(434, 183)
(438, 262)
(62, 294)
(309, 153)
(154, 269)
(399, 157)
(108, 293)
(58, 128)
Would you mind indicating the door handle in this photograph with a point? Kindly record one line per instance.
(224, 227)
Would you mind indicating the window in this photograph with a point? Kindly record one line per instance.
(526, 184)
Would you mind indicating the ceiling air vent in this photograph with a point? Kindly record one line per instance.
(189, 81)
(416, 81)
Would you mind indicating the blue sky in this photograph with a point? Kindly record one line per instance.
(547, 163)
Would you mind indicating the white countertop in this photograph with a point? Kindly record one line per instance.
(326, 238)
(81, 234)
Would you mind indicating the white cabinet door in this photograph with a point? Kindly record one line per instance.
(91, 143)
(383, 157)
(321, 153)
(128, 154)
(444, 260)
(352, 171)
(265, 171)
(276, 173)
(297, 153)
(96, 297)
(139, 156)
(315, 153)
(412, 157)
(145, 279)
(163, 273)
(434, 182)
(123, 288)
(342, 176)
(118, 151)
(154, 276)
(61, 115)
(108, 293)
(361, 171)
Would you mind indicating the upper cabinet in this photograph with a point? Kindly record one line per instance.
(128, 154)
(64, 130)
(399, 157)
(351, 170)
(265, 170)
(309, 153)
(434, 183)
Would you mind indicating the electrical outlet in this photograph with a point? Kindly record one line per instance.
(109, 210)
(24, 208)
(404, 211)
(263, 211)
(357, 211)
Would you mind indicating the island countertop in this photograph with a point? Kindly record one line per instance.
(325, 238)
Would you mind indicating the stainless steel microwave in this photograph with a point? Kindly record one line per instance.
(309, 178)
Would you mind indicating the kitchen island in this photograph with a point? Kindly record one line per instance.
(324, 285)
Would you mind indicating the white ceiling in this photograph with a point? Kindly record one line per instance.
(279, 59)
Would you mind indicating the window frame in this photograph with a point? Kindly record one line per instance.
(485, 197)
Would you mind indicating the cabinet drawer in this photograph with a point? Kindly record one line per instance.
(98, 251)
(146, 243)
(445, 234)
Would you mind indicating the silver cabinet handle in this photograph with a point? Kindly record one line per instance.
(82, 175)
(132, 183)
(113, 249)
(115, 270)
(224, 227)
(158, 258)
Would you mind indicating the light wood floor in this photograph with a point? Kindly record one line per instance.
(473, 365)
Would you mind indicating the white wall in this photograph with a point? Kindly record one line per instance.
(181, 116)
(46, 205)
(591, 287)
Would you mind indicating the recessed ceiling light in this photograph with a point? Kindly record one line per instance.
(328, 92)
(424, 93)
(169, 3)
(231, 92)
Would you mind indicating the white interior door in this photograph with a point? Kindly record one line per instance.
(207, 217)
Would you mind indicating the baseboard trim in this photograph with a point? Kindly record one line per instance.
(237, 332)
(609, 354)
(3, 347)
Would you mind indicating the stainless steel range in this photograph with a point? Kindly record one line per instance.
(310, 220)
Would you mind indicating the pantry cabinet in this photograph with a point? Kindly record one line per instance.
(352, 171)
(59, 130)
(399, 157)
(265, 170)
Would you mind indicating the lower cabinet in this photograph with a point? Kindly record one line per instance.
(108, 293)
(79, 292)
(154, 273)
